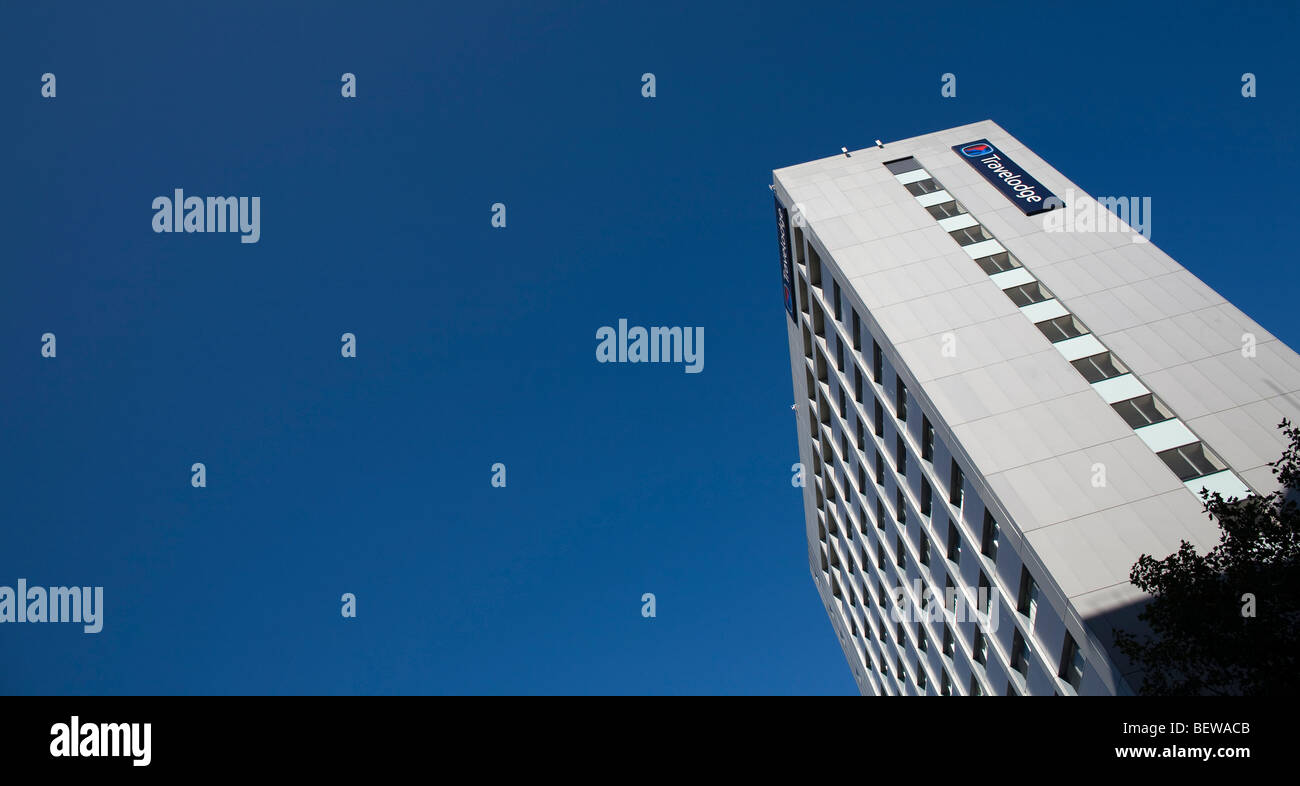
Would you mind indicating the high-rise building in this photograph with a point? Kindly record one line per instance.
(1005, 395)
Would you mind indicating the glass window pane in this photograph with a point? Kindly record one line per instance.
(1061, 328)
(1098, 367)
(1192, 461)
(1027, 294)
(1142, 411)
(902, 165)
(996, 263)
(921, 187)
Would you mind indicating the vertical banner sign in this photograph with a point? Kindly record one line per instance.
(1024, 192)
(787, 261)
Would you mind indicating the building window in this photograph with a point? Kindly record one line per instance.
(989, 543)
(997, 263)
(877, 363)
(880, 419)
(969, 235)
(946, 209)
(900, 398)
(920, 676)
(920, 638)
(975, 688)
(947, 641)
(880, 513)
(880, 469)
(1028, 294)
(1191, 461)
(857, 383)
(900, 455)
(1071, 662)
(1019, 654)
(925, 548)
(880, 553)
(954, 542)
(1142, 411)
(927, 439)
(901, 559)
(922, 187)
(955, 481)
(898, 632)
(839, 354)
(844, 403)
(857, 331)
(902, 165)
(901, 509)
(1104, 365)
(1027, 604)
(1011, 689)
(945, 684)
(1061, 328)
(985, 594)
(949, 593)
(981, 648)
(862, 476)
(926, 497)
(862, 435)
(835, 288)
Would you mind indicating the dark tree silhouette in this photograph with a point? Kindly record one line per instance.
(1226, 622)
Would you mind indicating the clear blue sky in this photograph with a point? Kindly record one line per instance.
(476, 345)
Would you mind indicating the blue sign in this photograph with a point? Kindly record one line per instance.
(787, 261)
(1024, 192)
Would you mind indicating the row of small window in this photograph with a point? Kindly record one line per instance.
(900, 402)
(837, 299)
(1188, 461)
(1027, 601)
(996, 263)
(878, 428)
(1071, 664)
(980, 649)
(991, 530)
(956, 478)
(900, 465)
(990, 534)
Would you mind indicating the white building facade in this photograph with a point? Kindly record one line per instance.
(999, 409)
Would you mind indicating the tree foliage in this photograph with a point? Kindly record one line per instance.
(1226, 622)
